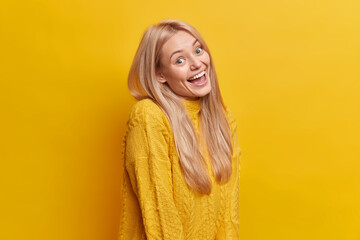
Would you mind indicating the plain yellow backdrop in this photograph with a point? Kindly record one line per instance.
(289, 70)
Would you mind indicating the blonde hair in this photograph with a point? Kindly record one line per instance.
(214, 126)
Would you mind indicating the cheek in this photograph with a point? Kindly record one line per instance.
(206, 58)
(177, 74)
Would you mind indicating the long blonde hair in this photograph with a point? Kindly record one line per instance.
(214, 126)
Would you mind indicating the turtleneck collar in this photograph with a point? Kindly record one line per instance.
(192, 106)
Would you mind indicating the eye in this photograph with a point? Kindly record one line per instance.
(180, 61)
(198, 50)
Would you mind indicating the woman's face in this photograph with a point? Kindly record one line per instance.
(185, 66)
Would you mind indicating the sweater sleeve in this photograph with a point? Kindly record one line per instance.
(229, 229)
(149, 167)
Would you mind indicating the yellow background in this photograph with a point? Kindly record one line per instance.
(289, 70)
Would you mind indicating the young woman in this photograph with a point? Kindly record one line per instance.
(181, 153)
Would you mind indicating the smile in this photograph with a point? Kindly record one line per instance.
(197, 75)
(198, 80)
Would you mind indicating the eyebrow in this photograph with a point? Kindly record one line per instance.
(178, 51)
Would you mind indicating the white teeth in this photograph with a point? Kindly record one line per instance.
(197, 75)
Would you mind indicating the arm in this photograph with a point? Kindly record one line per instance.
(149, 169)
(229, 229)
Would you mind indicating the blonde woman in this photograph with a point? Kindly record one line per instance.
(181, 153)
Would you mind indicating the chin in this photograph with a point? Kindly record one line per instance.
(195, 92)
(205, 91)
(202, 93)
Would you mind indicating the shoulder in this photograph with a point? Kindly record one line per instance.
(147, 112)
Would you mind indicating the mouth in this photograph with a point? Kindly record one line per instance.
(199, 79)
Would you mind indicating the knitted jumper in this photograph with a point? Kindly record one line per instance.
(156, 201)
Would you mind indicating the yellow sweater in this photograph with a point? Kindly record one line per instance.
(156, 202)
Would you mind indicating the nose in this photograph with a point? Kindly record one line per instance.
(195, 63)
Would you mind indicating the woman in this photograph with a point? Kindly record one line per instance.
(181, 153)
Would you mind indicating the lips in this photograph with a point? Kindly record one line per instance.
(198, 75)
(199, 82)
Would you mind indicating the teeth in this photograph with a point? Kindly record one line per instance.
(198, 75)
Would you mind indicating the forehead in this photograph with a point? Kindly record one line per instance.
(179, 41)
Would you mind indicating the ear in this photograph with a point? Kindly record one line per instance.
(160, 77)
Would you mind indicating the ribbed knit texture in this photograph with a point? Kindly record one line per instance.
(156, 201)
